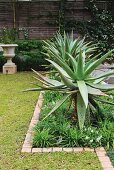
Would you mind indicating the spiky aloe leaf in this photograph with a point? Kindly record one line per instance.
(102, 86)
(41, 81)
(98, 80)
(73, 63)
(63, 67)
(97, 63)
(73, 46)
(58, 68)
(83, 91)
(81, 110)
(103, 75)
(94, 91)
(102, 100)
(80, 66)
(48, 80)
(58, 104)
(68, 82)
(43, 88)
(91, 61)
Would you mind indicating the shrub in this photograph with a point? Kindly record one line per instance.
(111, 156)
(2, 61)
(28, 55)
(99, 29)
(8, 35)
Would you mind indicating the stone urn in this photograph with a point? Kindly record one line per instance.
(9, 52)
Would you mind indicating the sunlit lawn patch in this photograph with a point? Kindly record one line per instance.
(16, 110)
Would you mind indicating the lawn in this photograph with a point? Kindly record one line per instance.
(16, 108)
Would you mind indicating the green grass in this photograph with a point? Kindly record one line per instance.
(16, 108)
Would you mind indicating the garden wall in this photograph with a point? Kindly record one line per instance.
(40, 19)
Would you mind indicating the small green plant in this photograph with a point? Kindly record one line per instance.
(107, 131)
(43, 138)
(8, 35)
(91, 137)
(110, 153)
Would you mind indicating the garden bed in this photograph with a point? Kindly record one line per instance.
(91, 136)
(71, 116)
(27, 146)
(62, 131)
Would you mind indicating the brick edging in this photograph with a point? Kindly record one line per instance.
(104, 159)
(27, 145)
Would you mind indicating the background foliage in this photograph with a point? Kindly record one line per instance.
(99, 29)
(28, 55)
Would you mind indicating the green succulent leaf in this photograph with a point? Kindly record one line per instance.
(102, 86)
(73, 63)
(48, 80)
(91, 61)
(94, 91)
(64, 68)
(103, 75)
(83, 91)
(43, 88)
(58, 104)
(80, 66)
(97, 81)
(81, 110)
(102, 100)
(58, 68)
(68, 82)
(96, 63)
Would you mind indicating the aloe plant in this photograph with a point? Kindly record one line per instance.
(61, 46)
(76, 81)
(70, 59)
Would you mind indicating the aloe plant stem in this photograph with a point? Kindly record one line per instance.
(74, 115)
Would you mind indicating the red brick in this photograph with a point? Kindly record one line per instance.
(68, 149)
(26, 150)
(57, 149)
(35, 150)
(28, 137)
(104, 159)
(106, 164)
(27, 145)
(100, 149)
(34, 121)
(47, 150)
(89, 149)
(101, 153)
(78, 149)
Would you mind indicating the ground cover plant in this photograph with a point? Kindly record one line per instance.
(58, 130)
(111, 155)
(16, 109)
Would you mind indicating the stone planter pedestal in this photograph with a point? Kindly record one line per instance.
(9, 53)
